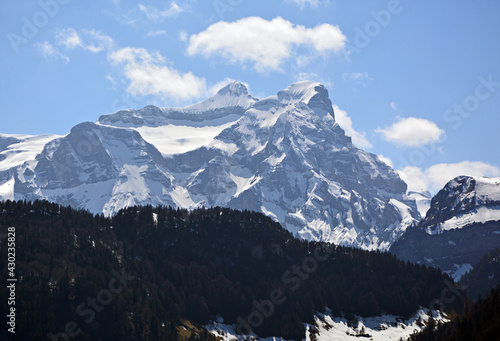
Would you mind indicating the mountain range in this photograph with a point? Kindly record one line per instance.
(284, 156)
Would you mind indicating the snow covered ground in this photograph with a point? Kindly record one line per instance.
(380, 328)
(459, 271)
(328, 328)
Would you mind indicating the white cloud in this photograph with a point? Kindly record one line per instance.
(415, 178)
(155, 33)
(50, 52)
(357, 77)
(394, 105)
(435, 177)
(412, 132)
(387, 160)
(314, 77)
(266, 44)
(149, 75)
(345, 123)
(100, 40)
(313, 3)
(183, 36)
(70, 39)
(148, 15)
(154, 14)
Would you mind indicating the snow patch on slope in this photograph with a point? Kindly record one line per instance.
(459, 271)
(130, 190)
(23, 151)
(178, 139)
(405, 212)
(93, 196)
(7, 189)
(478, 215)
(181, 198)
(243, 183)
(487, 189)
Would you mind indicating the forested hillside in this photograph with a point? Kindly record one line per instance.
(478, 322)
(161, 274)
(484, 276)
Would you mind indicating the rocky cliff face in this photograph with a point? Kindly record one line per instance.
(283, 155)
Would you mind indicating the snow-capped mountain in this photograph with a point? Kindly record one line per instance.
(462, 224)
(283, 155)
(464, 201)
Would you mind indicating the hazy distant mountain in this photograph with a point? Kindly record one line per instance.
(283, 155)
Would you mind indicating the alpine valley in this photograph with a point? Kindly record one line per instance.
(284, 156)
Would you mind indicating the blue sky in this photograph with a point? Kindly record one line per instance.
(417, 82)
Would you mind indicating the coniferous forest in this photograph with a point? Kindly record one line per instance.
(162, 273)
(478, 322)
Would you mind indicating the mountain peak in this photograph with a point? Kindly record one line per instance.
(303, 90)
(483, 190)
(462, 195)
(234, 94)
(234, 88)
(313, 94)
(226, 105)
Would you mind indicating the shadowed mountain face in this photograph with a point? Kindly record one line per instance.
(461, 226)
(283, 155)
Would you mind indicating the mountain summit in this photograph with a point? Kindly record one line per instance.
(231, 100)
(283, 155)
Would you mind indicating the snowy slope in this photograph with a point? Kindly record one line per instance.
(19, 149)
(180, 130)
(283, 155)
(479, 215)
